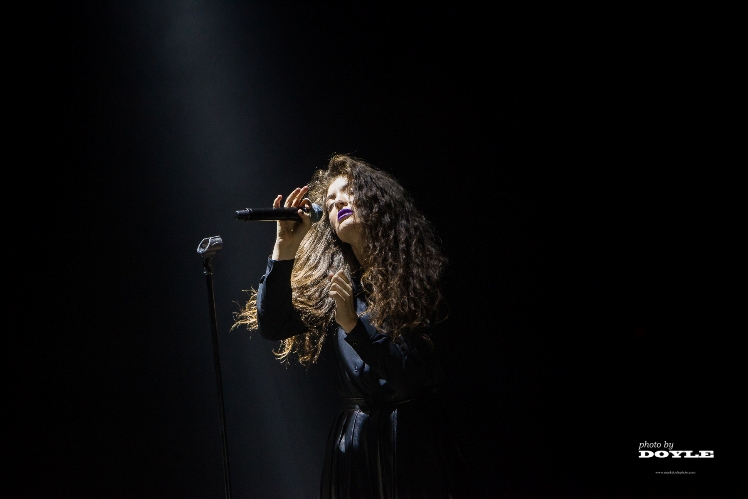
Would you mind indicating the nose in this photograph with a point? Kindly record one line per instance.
(340, 202)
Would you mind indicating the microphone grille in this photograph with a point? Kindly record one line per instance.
(316, 212)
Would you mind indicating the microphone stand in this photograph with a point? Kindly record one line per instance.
(208, 248)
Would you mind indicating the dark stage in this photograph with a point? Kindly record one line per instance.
(555, 157)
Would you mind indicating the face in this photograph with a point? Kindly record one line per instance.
(340, 210)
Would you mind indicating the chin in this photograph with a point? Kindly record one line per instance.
(347, 232)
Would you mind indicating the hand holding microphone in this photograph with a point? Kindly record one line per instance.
(293, 221)
(291, 227)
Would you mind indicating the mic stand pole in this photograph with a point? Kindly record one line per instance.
(208, 248)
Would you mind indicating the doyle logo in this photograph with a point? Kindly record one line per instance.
(643, 454)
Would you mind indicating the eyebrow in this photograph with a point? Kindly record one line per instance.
(343, 188)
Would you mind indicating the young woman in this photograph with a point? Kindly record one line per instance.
(365, 278)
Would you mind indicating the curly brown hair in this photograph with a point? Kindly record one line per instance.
(402, 274)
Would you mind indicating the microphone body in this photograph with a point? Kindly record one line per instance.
(275, 214)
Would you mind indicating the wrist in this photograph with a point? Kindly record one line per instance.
(348, 326)
(284, 252)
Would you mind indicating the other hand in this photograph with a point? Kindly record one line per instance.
(341, 291)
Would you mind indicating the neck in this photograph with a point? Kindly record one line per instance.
(358, 252)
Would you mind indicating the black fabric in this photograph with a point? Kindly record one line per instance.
(390, 438)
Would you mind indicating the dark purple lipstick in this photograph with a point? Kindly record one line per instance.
(344, 213)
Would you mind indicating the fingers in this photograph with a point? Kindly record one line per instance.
(341, 286)
(296, 200)
(342, 292)
(340, 279)
(296, 197)
(339, 293)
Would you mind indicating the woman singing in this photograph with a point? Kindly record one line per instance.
(365, 278)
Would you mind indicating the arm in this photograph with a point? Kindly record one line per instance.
(277, 319)
(407, 367)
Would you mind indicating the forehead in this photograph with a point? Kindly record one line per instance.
(338, 184)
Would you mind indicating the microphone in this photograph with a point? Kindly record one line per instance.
(275, 214)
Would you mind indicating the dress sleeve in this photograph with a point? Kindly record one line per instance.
(407, 367)
(277, 319)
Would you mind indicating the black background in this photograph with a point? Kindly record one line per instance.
(565, 163)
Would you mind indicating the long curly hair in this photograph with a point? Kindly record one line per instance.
(401, 276)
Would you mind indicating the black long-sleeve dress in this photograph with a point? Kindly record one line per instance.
(389, 439)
